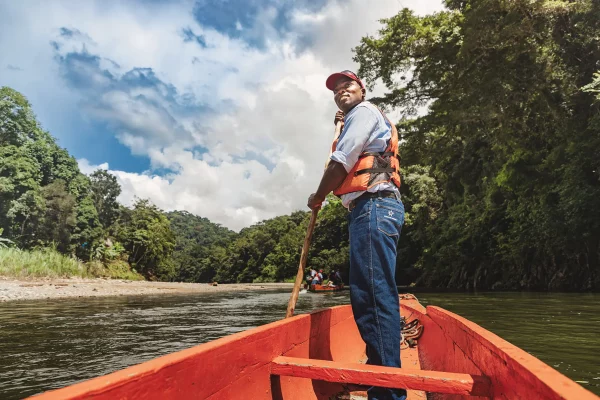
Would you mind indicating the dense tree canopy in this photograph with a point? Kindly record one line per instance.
(58, 218)
(45, 201)
(105, 190)
(146, 234)
(199, 247)
(509, 144)
(37, 178)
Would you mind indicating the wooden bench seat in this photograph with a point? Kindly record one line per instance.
(372, 375)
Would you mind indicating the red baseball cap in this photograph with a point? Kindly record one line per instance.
(330, 82)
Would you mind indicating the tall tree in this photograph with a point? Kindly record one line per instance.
(146, 234)
(17, 121)
(58, 219)
(21, 202)
(105, 190)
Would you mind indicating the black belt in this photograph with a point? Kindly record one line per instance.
(369, 195)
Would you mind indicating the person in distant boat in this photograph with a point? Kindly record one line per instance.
(310, 276)
(318, 278)
(364, 172)
(335, 278)
(323, 275)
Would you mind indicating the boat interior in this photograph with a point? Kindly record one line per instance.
(322, 356)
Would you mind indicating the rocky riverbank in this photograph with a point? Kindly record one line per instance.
(11, 289)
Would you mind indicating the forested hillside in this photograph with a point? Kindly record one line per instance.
(46, 202)
(506, 191)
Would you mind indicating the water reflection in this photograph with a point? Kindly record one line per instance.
(49, 344)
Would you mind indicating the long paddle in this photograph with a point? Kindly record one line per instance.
(311, 226)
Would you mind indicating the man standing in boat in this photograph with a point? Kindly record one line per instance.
(364, 173)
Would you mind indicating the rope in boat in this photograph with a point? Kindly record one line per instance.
(411, 331)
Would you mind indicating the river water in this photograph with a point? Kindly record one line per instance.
(52, 343)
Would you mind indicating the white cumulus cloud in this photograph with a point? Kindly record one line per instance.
(243, 132)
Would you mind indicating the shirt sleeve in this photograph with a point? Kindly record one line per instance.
(358, 127)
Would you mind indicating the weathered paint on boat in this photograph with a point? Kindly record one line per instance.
(311, 356)
(325, 288)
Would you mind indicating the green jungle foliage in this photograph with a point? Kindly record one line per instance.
(46, 203)
(500, 167)
(506, 159)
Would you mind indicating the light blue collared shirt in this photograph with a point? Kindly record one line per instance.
(365, 130)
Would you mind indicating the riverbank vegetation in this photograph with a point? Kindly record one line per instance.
(509, 148)
(49, 263)
(500, 165)
(40, 263)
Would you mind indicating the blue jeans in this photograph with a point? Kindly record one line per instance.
(375, 226)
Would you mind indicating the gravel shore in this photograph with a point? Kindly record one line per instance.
(12, 289)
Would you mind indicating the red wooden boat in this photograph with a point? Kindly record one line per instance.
(319, 355)
(325, 288)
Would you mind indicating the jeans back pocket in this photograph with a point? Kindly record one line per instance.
(390, 217)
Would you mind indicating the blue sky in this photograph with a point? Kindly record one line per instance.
(217, 107)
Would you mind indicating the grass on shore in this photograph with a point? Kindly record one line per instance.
(43, 263)
(48, 263)
(117, 269)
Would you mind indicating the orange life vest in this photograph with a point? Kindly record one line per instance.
(373, 168)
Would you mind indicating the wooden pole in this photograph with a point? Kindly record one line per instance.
(300, 275)
(338, 131)
(311, 226)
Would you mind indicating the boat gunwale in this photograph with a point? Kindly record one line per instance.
(514, 357)
(126, 375)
